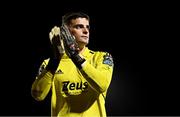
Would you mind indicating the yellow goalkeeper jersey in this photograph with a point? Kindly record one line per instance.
(76, 93)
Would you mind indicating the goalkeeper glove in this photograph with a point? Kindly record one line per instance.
(57, 49)
(71, 47)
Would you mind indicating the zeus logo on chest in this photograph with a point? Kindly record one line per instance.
(74, 86)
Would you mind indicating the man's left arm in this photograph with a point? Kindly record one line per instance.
(99, 77)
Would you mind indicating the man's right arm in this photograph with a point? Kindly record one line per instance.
(42, 84)
(43, 81)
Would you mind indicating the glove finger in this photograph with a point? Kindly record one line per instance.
(68, 37)
(55, 31)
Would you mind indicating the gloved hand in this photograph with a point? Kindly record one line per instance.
(57, 49)
(71, 46)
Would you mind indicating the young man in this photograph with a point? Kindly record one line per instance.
(78, 77)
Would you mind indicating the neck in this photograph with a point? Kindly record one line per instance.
(82, 49)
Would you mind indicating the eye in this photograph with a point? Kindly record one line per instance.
(88, 27)
(78, 26)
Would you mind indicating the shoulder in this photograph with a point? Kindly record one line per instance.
(103, 56)
(43, 66)
(96, 52)
(44, 62)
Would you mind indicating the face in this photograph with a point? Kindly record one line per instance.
(79, 27)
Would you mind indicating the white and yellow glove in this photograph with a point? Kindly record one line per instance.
(57, 49)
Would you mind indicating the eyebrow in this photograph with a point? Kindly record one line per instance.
(81, 26)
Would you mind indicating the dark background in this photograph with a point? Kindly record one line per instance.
(140, 36)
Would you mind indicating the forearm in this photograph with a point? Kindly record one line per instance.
(98, 78)
(41, 85)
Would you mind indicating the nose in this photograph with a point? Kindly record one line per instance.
(85, 30)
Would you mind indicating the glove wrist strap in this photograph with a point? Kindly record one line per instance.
(78, 61)
(52, 65)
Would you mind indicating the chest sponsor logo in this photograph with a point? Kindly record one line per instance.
(67, 85)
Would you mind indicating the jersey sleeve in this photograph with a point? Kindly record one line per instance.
(99, 75)
(42, 83)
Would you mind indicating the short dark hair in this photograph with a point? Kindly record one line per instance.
(66, 19)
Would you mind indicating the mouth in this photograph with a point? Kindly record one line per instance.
(85, 37)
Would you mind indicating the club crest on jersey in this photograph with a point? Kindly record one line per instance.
(108, 59)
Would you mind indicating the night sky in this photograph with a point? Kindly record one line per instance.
(140, 37)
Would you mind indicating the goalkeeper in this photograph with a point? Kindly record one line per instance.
(77, 76)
